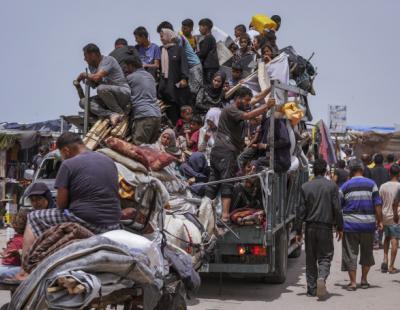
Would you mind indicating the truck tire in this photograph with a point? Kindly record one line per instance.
(296, 253)
(281, 259)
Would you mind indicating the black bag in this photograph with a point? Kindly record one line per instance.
(301, 70)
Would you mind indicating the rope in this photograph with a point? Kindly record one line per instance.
(235, 179)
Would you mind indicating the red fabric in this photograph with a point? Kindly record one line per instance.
(180, 127)
(150, 158)
(195, 139)
(157, 160)
(388, 166)
(12, 250)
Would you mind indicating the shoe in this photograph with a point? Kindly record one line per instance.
(311, 294)
(365, 285)
(384, 267)
(321, 288)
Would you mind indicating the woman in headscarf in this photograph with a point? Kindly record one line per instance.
(212, 96)
(196, 170)
(208, 131)
(173, 86)
(40, 196)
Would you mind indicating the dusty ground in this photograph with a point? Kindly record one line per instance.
(249, 294)
(239, 294)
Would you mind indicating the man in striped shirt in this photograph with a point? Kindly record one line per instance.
(362, 212)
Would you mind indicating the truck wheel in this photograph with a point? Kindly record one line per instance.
(296, 253)
(281, 259)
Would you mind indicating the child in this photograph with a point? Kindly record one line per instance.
(192, 134)
(237, 74)
(254, 129)
(184, 122)
(11, 258)
(253, 136)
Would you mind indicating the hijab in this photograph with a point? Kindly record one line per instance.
(171, 148)
(198, 162)
(170, 37)
(172, 138)
(213, 115)
(216, 93)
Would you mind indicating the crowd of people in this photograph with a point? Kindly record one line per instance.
(202, 127)
(178, 98)
(361, 199)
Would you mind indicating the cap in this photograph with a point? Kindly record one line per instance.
(355, 164)
(38, 189)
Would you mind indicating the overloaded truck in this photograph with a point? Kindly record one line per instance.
(262, 250)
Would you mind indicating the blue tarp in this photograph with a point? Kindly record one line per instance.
(46, 126)
(380, 129)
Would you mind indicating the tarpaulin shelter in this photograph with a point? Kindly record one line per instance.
(45, 126)
(372, 142)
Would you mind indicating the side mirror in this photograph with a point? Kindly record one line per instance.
(28, 174)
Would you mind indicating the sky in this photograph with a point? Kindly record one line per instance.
(356, 45)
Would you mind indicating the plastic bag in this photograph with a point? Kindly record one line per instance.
(293, 112)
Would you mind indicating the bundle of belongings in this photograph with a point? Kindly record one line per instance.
(98, 270)
(248, 216)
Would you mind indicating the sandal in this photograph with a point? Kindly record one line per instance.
(393, 270)
(384, 267)
(351, 288)
(365, 285)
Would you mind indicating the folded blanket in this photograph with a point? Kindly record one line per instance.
(53, 240)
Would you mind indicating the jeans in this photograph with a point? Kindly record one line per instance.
(146, 130)
(110, 99)
(8, 271)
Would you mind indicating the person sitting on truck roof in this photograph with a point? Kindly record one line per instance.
(229, 142)
(87, 193)
(113, 92)
(320, 209)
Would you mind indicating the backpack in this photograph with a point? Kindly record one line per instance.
(301, 69)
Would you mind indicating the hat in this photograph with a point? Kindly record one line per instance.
(355, 164)
(38, 189)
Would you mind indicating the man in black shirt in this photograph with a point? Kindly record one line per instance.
(230, 141)
(366, 160)
(87, 192)
(208, 51)
(341, 175)
(379, 173)
(319, 208)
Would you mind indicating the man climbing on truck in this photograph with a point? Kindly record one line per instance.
(113, 92)
(230, 141)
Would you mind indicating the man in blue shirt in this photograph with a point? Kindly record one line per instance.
(150, 53)
(362, 212)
